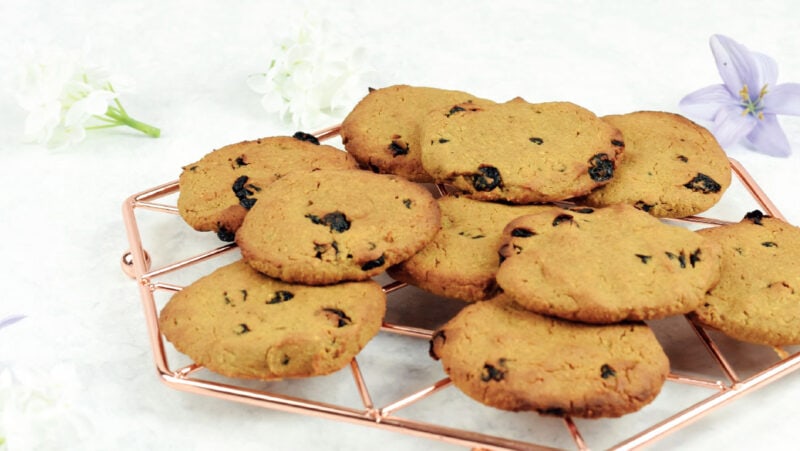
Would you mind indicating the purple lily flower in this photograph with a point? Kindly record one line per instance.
(746, 104)
(9, 320)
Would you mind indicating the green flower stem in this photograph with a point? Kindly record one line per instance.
(120, 117)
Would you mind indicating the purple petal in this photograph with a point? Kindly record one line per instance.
(706, 102)
(783, 99)
(767, 137)
(730, 125)
(9, 320)
(767, 70)
(736, 65)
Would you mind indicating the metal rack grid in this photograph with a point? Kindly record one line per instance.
(136, 263)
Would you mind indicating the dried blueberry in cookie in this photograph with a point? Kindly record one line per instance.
(306, 137)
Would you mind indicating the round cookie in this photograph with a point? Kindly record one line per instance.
(672, 167)
(605, 265)
(507, 357)
(217, 191)
(521, 152)
(382, 131)
(462, 259)
(240, 323)
(758, 295)
(327, 226)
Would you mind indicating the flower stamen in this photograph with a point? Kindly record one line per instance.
(749, 105)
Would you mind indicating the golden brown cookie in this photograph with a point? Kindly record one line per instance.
(382, 131)
(758, 295)
(605, 265)
(672, 166)
(327, 226)
(240, 323)
(217, 191)
(509, 358)
(462, 259)
(521, 152)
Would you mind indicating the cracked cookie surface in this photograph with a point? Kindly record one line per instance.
(672, 166)
(240, 323)
(217, 191)
(382, 130)
(758, 295)
(327, 226)
(521, 152)
(461, 260)
(605, 265)
(507, 357)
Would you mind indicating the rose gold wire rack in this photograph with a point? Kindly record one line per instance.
(136, 263)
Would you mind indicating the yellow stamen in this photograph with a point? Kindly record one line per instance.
(749, 106)
(744, 93)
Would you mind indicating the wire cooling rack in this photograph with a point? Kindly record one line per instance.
(718, 387)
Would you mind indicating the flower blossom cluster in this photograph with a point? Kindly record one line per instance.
(64, 97)
(39, 409)
(312, 78)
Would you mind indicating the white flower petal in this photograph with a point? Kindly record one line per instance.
(40, 122)
(96, 103)
(258, 83)
(64, 136)
(40, 410)
(272, 101)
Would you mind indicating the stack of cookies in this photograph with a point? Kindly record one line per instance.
(313, 230)
(550, 233)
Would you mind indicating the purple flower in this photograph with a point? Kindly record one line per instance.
(746, 105)
(9, 320)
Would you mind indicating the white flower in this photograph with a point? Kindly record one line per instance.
(40, 410)
(64, 97)
(312, 78)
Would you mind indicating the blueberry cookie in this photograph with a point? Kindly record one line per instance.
(382, 131)
(217, 191)
(507, 357)
(327, 226)
(758, 295)
(605, 265)
(672, 168)
(240, 323)
(520, 152)
(462, 259)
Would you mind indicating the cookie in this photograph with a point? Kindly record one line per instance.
(521, 152)
(462, 259)
(507, 357)
(240, 323)
(327, 226)
(382, 131)
(217, 191)
(758, 295)
(605, 265)
(672, 167)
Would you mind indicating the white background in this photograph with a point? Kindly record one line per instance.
(61, 231)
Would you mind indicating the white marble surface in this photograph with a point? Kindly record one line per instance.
(62, 231)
